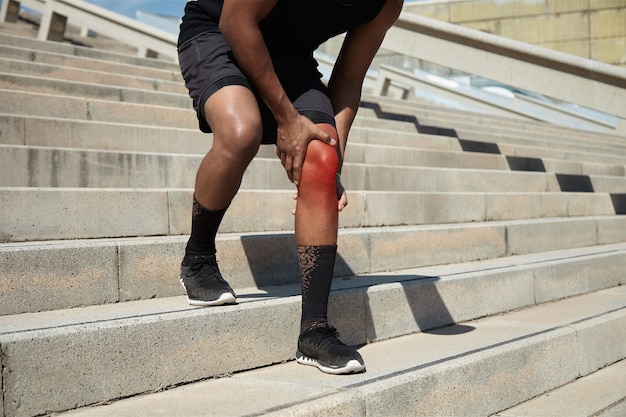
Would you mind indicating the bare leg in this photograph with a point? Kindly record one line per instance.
(234, 117)
(233, 114)
(316, 236)
(316, 229)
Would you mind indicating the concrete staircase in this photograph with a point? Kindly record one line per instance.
(481, 259)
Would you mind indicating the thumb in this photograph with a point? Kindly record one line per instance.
(327, 134)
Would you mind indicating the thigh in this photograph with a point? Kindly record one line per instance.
(207, 65)
(234, 117)
(309, 97)
(315, 104)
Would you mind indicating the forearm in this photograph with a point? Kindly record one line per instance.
(244, 36)
(345, 97)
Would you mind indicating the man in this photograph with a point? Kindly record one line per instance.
(249, 68)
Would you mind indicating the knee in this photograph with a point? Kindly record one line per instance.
(321, 162)
(238, 139)
(246, 137)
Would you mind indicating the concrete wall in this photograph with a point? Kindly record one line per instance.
(594, 29)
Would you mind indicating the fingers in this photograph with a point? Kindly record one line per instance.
(321, 132)
(289, 165)
(295, 170)
(293, 140)
(295, 197)
(342, 196)
(324, 136)
(343, 202)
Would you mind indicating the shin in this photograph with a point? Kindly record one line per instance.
(316, 213)
(316, 229)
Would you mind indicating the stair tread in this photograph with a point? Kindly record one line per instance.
(599, 394)
(151, 308)
(412, 357)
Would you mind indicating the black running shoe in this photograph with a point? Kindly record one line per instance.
(203, 282)
(320, 346)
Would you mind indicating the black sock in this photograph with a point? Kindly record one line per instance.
(316, 266)
(204, 225)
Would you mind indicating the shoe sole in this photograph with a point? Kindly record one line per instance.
(225, 298)
(352, 367)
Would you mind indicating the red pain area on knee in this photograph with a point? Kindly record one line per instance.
(319, 172)
(321, 163)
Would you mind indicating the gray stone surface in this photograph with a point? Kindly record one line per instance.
(550, 234)
(93, 75)
(473, 368)
(601, 340)
(61, 213)
(150, 268)
(83, 134)
(36, 277)
(83, 364)
(403, 247)
(561, 278)
(598, 394)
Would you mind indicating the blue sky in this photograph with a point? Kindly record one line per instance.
(128, 7)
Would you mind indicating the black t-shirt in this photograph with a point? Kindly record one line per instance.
(293, 27)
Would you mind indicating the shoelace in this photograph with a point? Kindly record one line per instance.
(212, 272)
(328, 332)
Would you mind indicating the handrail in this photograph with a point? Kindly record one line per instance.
(555, 74)
(514, 106)
(148, 39)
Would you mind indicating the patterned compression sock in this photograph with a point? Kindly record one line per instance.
(204, 225)
(316, 266)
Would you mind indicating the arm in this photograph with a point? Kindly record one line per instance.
(239, 24)
(358, 51)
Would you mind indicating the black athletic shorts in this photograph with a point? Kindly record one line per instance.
(207, 64)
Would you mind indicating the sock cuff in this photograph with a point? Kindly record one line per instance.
(198, 209)
(317, 249)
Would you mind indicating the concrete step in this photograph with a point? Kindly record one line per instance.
(423, 150)
(35, 166)
(119, 212)
(265, 173)
(82, 108)
(488, 121)
(563, 160)
(22, 68)
(18, 28)
(599, 394)
(477, 137)
(368, 167)
(85, 63)
(120, 111)
(167, 99)
(92, 135)
(84, 51)
(405, 107)
(488, 129)
(49, 275)
(17, 81)
(475, 367)
(66, 167)
(386, 131)
(106, 135)
(38, 84)
(553, 143)
(63, 167)
(92, 76)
